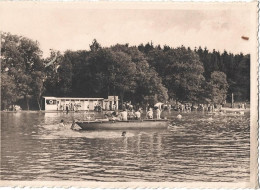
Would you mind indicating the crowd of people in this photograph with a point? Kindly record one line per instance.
(203, 107)
(242, 105)
(124, 115)
(68, 107)
(130, 112)
(98, 108)
(191, 107)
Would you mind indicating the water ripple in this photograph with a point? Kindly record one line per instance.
(199, 147)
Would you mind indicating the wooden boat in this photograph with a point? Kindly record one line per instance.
(123, 125)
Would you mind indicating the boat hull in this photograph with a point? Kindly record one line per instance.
(123, 125)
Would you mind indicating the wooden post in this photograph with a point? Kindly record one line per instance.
(232, 101)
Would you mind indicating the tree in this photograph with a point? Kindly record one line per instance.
(65, 74)
(218, 87)
(38, 86)
(95, 46)
(92, 73)
(51, 71)
(236, 67)
(239, 79)
(122, 74)
(181, 72)
(20, 57)
(148, 84)
(150, 89)
(8, 91)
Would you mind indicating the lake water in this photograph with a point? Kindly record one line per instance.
(198, 148)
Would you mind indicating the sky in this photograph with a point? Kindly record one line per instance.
(62, 26)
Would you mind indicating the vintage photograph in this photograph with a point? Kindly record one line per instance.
(129, 92)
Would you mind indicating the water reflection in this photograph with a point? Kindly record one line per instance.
(199, 147)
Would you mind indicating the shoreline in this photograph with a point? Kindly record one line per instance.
(82, 111)
(43, 111)
(235, 109)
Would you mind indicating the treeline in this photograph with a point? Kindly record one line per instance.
(235, 69)
(143, 74)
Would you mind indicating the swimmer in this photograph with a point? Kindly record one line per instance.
(74, 126)
(123, 133)
(62, 123)
(179, 116)
(210, 119)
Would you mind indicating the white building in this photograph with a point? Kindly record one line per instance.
(78, 104)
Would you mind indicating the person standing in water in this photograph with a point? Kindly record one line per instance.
(62, 125)
(149, 114)
(158, 113)
(74, 126)
(138, 114)
(124, 115)
(67, 109)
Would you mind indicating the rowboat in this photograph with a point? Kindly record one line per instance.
(122, 125)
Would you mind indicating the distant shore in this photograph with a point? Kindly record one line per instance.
(82, 111)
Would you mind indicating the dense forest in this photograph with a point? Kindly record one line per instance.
(141, 74)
